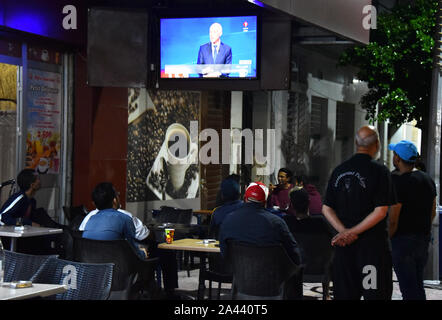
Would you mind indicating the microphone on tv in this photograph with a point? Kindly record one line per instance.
(8, 182)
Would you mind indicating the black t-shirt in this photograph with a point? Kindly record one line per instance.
(416, 191)
(356, 188)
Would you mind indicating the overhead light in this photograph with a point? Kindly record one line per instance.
(256, 2)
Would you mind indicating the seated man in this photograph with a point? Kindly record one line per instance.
(230, 196)
(312, 232)
(315, 200)
(23, 206)
(142, 233)
(300, 201)
(219, 196)
(109, 222)
(302, 220)
(252, 224)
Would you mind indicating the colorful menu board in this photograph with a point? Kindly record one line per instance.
(43, 140)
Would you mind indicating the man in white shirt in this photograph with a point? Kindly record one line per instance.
(141, 231)
(148, 244)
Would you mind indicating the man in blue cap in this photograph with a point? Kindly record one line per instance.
(410, 220)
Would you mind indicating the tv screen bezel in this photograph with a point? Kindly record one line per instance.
(168, 81)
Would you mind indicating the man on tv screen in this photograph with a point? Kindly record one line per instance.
(214, 52)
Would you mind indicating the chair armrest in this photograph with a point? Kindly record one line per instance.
(149, 261)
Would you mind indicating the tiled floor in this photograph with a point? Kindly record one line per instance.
(312, 291)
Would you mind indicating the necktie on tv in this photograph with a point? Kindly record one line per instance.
(214, 52)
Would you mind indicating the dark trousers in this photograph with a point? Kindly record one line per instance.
(293, 289)
(410, 254)
(363, 268)
(167, 262)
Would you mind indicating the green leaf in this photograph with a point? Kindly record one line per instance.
(398, 62)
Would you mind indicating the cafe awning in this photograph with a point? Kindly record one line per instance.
(345, 18)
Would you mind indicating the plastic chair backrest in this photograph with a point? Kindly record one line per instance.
(75, 215)
(313, 236)
(21, 266)
(70, 235)
(120, 253)
(174, 215)
(218, 264)
(12, 189)
(85, 281)
(259, 270)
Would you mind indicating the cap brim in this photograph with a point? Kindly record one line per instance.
(391, 146)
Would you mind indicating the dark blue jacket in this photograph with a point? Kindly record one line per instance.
(253, 224)
(224, 55)
(16, 207)
(110, 224)
(220, 214)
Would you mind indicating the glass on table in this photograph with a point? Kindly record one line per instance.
(19, 224)
(169, 235)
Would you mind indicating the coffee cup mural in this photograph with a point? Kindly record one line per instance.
(174, 174)
(181, 153)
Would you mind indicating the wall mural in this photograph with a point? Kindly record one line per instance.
(157, 170)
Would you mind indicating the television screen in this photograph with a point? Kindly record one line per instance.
(215, 47)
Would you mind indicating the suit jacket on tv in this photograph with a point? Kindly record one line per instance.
(205, 54)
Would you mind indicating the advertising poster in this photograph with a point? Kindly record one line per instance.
(43, 138)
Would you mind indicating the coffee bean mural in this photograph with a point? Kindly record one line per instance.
(146, 136)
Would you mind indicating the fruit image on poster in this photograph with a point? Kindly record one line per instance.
(43, 139)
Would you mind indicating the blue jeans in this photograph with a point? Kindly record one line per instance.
(410, 254)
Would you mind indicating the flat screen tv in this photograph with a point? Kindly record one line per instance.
(209, 47)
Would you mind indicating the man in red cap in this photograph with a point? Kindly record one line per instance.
(253, 224)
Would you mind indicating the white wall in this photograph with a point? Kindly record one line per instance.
(235, 123)
(270, 112)
(316, 75)
(405, 132)
(334, 92)
(262, 119)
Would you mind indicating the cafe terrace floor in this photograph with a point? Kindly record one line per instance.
(312, 291)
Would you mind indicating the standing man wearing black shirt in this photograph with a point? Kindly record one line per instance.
(410, 220)
(359, 192)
